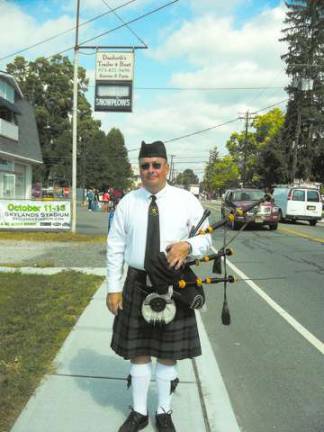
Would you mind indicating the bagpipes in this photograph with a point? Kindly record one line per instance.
(172, 286)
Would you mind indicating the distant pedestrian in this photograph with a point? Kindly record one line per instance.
(90, 198)
(66, 191)
(106, 199)
(95, 202)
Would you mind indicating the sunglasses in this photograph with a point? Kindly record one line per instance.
(145, 166)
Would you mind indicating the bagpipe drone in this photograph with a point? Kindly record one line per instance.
(171, 286)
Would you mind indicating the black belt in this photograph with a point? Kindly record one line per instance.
(137, 275)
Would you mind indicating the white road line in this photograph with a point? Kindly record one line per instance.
(285, 315)
(221, 417)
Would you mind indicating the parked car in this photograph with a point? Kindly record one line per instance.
(298, 203)
(236, 201)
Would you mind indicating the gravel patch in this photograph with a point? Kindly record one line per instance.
(52, 254)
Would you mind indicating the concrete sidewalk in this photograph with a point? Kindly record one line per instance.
(87, 390)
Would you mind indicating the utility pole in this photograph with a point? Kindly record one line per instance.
(171, 173)
(247, 117)
(75, 118)
(295, 144)
(77, 48)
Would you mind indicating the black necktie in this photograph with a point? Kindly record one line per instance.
(153, 231)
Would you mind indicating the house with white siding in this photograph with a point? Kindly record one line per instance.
(19, 141)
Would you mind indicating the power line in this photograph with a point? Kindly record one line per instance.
(205, 88)
(131, 21)
(190, 162)
(122, 21)
(65, 31)
(201, 131)
(134, 159)
(271, 106)
(118, 27)
(216, 126)
(194, 133)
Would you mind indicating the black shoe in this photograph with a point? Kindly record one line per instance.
(164, 422)
(134, 422)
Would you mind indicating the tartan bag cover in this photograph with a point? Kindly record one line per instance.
(133, 336)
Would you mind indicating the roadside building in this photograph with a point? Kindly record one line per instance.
(136, 176)
(19, 142)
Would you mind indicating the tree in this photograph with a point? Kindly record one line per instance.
(254, 151)
(267, 126)
(224, 173)
(92, 164)
(209, 172)
(187, 178)
(220, 174)
(243, 147)
(303, 130)
(119, 171)
(271, 166)
(270, 163)
(48, 86)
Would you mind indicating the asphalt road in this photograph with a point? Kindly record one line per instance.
(89, 222)
(274, 374)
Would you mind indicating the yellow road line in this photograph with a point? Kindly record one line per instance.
(300, 234)
(213, 207)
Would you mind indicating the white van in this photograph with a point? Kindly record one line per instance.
(298, 203)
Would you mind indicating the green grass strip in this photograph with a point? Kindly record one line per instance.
(37, 312)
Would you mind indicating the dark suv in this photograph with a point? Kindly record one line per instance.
(237, 200)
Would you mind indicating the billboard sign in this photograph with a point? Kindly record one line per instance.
(113, 96)
(114, 81)
(35, 215)
(115, 66)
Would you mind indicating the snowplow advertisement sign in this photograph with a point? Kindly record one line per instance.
(114, 81)
(35, 215)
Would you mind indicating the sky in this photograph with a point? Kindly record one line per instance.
(207, 63)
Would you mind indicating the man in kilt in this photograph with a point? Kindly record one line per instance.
(133, 238)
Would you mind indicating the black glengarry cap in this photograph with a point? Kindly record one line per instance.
(155, 149)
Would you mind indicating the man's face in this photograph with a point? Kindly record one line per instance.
(154, 172)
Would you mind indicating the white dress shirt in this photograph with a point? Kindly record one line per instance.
(179, 210)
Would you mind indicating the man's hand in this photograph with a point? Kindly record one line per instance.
(177, 254)
(114, 302)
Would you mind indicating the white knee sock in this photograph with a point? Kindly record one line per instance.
(164, 375)
(141, 375)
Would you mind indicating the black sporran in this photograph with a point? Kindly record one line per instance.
(162, 276)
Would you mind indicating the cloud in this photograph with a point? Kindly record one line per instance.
(209, 40)
(19, 30)
(219, 7)
(100, 6)
(219, 55)
(246, 57)
(29, 30)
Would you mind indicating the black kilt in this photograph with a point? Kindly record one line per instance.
(133, 336)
